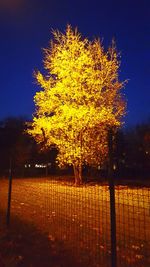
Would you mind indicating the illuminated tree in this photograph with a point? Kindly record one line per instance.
(79, 100)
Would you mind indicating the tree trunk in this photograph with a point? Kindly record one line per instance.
(78, 166)
(78, 173)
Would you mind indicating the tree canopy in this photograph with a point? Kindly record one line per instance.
(80, 99)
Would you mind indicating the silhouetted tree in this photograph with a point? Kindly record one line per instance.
(135, 155)
(11, 142)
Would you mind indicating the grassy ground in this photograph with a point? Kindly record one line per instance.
(80, 217)
(22, 245)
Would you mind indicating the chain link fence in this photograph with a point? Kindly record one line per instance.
(80, 217)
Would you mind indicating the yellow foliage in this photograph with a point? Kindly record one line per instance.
(80, 98)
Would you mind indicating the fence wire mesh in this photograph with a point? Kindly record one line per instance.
(80, 217)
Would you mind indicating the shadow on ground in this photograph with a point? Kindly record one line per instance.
(22, 245)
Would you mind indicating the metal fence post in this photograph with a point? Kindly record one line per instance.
(112, 201)
(9, 193)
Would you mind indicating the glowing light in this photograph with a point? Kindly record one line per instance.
(114, 167)
(40, 166)
(27, 165)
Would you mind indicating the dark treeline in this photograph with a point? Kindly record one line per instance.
(131, 153)
(17, 147)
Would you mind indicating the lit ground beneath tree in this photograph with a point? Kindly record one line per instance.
(80, 218)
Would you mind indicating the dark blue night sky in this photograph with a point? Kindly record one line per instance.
(25, 27)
